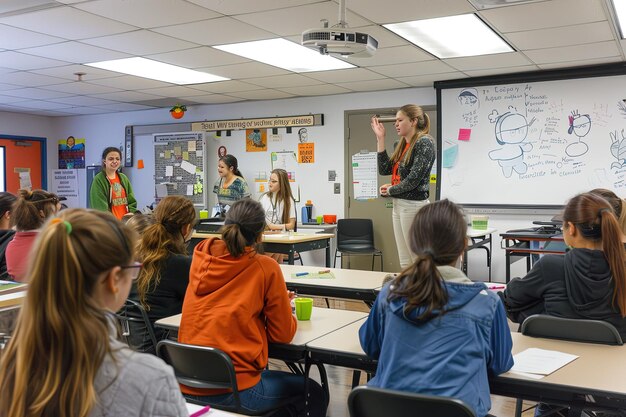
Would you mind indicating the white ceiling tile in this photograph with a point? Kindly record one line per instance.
(66, 22)
(344, 75)
(28, 79)
(262, 94)
(140, 42)
(226, 86)
(130, 82)
(20, 61)
(579, 63)
(393, 55)
(401, 70)
(202, 57)
(232, 7)
(76, 52)
(16, 38)
(81, 88)
(573, 53)
(544, 14)
(127, 96)
(291, 80)
(497, 71)
(7, 87)
(174, 91)
(218, 31)
(374, 85)
(245, 70)
(84, 110)
(82, 101)
(293, 20)
(406, 10)
(68, 72)
(124, 107)
(561, 36)
(148, 13)
(41, 104)
(510, 59)
(48, 113)
(10, 99)
(429, 79)
(316, 90)
(216, 99)
(36, 93)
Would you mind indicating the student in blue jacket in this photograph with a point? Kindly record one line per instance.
(433, 330)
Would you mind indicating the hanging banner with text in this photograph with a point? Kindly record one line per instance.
(259, 123)
(306, 153)
(65, 184)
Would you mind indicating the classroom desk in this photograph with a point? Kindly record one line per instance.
(479, 240)
(349, 284)
(519, 245)
(285, 243)
(12, 300)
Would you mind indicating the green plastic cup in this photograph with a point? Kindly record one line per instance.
(304, 307)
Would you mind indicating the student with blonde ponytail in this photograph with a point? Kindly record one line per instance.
(409, 167)
(433, 330)
(237, 301)
(64, 358)
(163, 280)
(589, 281)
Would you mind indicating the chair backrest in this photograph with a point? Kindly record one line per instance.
(137, 331)
(355, 234)
(590, 331)
(200, 367)
(365, 401)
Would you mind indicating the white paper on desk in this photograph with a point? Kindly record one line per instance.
(188, 166)
(169, 171)
(540, 361)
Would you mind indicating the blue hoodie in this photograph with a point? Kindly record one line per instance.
(449, 355)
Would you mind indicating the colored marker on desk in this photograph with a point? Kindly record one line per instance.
(324, 271)
(201, 411)
(301, 274)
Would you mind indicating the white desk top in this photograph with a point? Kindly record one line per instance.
(286, 238)
(480, 232)
(345, 339)
(344, 278)
(323, 321)
(213, 412)
(12, 299)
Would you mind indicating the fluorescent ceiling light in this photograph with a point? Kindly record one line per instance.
(285, 54)
(452, 36)
(620, 12)
(155, 70)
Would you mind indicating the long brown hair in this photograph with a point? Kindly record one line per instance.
(618, 204)
(32, 208)
(62, 335)
(593, 217)
(162, 239)
(244, 224)
(437, 237)
(283, 194)
(422, 128)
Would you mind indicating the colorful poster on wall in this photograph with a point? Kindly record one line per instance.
(71, 153)
(306, 153)
(256, 140)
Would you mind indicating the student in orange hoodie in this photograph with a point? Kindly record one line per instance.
(237, 301)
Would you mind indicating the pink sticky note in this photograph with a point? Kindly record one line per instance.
(464, 134)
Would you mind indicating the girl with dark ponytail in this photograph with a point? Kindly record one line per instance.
(237, 301)
(433, 330)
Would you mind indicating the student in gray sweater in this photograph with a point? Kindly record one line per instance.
(64, 358)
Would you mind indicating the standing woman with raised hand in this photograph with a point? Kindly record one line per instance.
(64, 358)
(231, 186)
(30, 211)
(409, 167)
(163, 279)
(278, 202)
(110, 189)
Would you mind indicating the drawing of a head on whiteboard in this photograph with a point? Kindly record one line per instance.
(580, 125)
(469, 97)
(511, 132)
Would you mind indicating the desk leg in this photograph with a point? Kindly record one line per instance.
(290, 256)
(464, 267)
(328, 255)
(508, 265)
(489, 254)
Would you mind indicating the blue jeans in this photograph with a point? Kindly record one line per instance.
(273, 388)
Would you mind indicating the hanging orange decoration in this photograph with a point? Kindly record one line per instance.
(178, 111)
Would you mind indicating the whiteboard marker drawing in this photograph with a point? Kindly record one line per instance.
(580, 125)
(618, 149)
(468, 98)
(511, 131)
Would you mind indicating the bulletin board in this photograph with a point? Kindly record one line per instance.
(180, 166)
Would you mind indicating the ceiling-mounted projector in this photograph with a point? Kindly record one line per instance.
(340, 39)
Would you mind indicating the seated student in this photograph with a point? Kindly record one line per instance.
(68, 361)
(433, 330)
(163, 279)
(588, 282)
(30, 211)
(6, 233)
(237, 301)
(278, 202)
(618, 205)
(138, 222)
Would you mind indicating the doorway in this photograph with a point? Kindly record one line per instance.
(24, 155)
(359, 137)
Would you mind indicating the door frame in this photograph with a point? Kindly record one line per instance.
(44, 155)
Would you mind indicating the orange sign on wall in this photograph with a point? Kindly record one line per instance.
(306, 153)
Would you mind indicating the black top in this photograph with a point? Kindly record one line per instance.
(167, 298)
(5, 237)
(576, 285)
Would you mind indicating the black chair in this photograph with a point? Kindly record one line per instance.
(137, 331)
(356, 237)
(209, 368)
(575, 330)
(367, 401)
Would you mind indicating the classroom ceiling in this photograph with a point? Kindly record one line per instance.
(44, 43)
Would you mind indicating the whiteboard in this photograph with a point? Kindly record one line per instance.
(532, 143)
